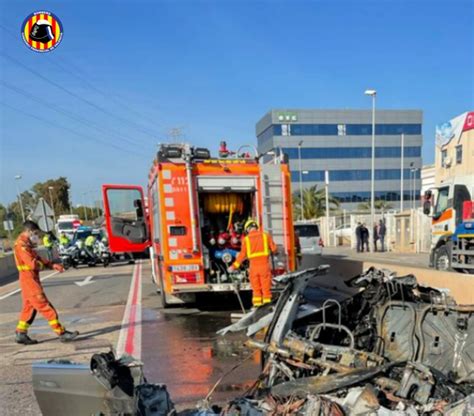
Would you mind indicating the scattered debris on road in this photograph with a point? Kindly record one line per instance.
(392, 348)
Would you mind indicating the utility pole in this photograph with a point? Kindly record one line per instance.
(17, 178)
(373, 94)
(176, 134)
(84, 205)
(414, 170)
(51, 201)
(326, 181)
(301, 181)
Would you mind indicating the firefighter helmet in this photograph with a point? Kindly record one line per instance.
(42, 31)
(250, 224)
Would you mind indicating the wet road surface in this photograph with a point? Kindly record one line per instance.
(180, 348)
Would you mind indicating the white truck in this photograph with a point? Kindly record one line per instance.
(452, 231)
(68, 224)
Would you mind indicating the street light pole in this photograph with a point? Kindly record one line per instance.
(17, 178)
(373, 94)
(84, 205)
(414, 188)
(301, 181)
(50, 188)
(326, 182)
(402, 173)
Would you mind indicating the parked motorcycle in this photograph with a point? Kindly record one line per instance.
(85, 256)
(68, 256)
(101, 250)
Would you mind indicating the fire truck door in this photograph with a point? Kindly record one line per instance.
(125, 217)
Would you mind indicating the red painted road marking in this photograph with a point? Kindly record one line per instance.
(130, 338)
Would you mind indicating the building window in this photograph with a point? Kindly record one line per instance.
(351, 152)
(444, 156)
(354, 175)
(348, 129)
(459, 154)
(286, 130)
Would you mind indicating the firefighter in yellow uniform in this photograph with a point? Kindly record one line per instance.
(257, 248)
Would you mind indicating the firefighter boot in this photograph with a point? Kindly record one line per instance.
(23, 338)
(68, 336)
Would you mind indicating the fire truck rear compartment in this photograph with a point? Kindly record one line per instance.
(222, 217)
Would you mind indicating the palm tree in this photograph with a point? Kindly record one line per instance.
(314, 203)
(379, 204)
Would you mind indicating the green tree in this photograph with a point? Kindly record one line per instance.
(379, 204)
(314, 203)
(57, 196)
(92, 212)
(3, 217)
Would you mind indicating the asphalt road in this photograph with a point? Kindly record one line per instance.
(403, 259)
(178, 346)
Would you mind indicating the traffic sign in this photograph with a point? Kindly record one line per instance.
(8, 225)
(43, 214)
(42, 209)
(46, 224)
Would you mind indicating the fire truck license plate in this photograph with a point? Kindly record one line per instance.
(180, 268)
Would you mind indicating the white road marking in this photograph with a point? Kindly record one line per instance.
(17, 290)
(86, 281)
(130, 337)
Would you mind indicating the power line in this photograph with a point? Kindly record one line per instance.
(111, 96)
(67, 91)
(54, 107)
(48, 122)
(114, 97)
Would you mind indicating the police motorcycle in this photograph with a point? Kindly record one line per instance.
(83, 254)
(101, 250)
(68, 255)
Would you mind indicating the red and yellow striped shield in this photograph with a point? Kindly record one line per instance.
(49, 28)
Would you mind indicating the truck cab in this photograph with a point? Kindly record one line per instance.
(450, 206)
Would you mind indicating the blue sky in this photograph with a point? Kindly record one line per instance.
(213, 68)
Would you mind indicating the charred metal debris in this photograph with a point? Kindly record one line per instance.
(387, 346)
(392, 348)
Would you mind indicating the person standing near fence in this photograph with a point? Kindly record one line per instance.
(364, 233)
(382, 230)
(375, 236)
(358, 233)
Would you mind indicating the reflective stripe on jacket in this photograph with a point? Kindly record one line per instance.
(257, 244)
(26, 258)
(90, 240)
(47, 242)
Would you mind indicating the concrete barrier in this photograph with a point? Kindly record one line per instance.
(8, 271)
(460, 286)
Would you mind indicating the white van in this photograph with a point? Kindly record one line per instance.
(310, 238)
(67, 224)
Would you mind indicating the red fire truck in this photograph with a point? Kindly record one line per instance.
(196, 208)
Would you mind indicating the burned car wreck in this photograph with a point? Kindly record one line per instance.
(387, 346)
(393, 347)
